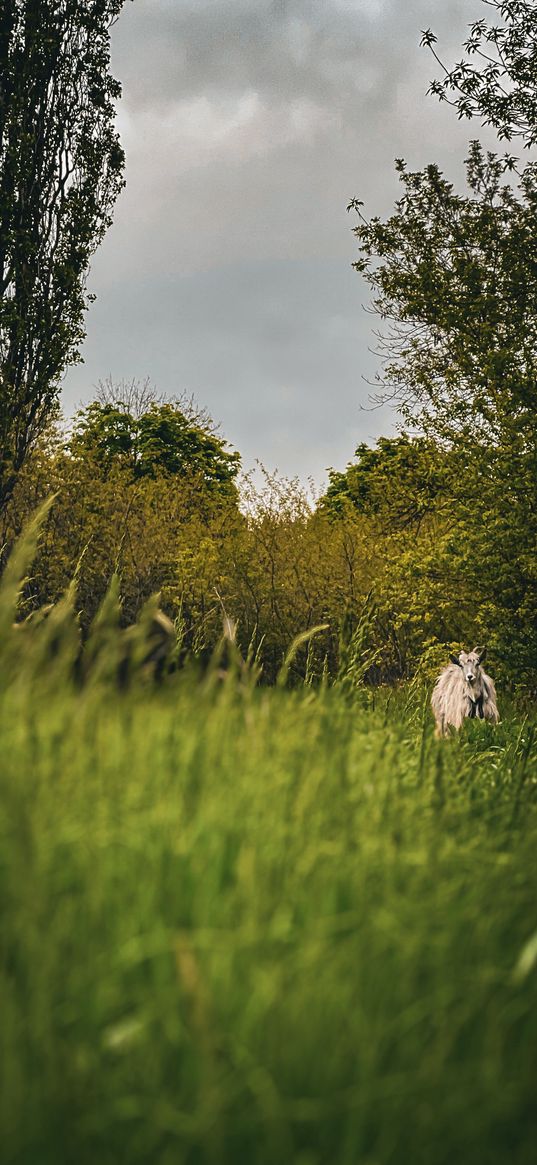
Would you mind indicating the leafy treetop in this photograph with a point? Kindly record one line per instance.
(161, 439)
(497, 78)
(401, 479)
(455, 283)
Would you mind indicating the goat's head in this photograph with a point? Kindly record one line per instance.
(470, 662)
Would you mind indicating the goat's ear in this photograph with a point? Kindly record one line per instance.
(481, 653)
(455, 659)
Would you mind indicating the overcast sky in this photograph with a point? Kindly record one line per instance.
(248, 126)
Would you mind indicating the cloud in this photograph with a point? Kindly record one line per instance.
(197, 131)
(300, 48)
(248, 126)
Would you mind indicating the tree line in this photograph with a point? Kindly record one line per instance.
(397, 557)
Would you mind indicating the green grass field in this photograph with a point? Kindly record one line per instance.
(265, 927)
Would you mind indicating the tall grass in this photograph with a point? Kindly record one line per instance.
(263, 927)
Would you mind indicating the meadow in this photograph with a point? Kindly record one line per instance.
(252, 912)
(264, 926)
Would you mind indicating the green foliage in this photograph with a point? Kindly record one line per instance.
(496, 80)
(455, 277)
(111, 516)
(263, 927)
(160, 440)
(400, 478)
(14, 575)
(61, 168)
(283, 564)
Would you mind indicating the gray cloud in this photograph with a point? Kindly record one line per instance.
(283, 50)
(248, 125)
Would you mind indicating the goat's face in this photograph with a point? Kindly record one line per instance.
(470, 663)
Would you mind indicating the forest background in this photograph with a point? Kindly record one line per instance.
(425, 542)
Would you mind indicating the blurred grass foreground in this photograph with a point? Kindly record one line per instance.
(257, 926)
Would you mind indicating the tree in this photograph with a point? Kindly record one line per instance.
(161, 439)
(61, 167)
(497, 78)
(402, 480)
(455, 278)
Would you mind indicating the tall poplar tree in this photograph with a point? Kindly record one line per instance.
(61, 168)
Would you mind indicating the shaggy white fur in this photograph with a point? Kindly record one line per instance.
(463, 690)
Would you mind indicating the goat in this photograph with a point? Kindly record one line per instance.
(463, 691)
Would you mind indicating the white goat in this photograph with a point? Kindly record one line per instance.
(463, 690)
